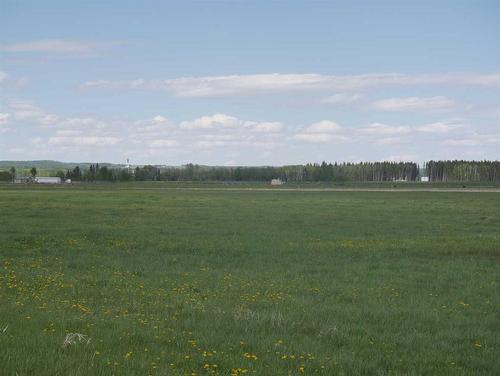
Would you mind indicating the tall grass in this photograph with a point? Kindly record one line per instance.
(264, 283)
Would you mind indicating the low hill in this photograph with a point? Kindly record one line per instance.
(48, 165)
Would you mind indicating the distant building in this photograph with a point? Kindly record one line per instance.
(23, 179)
(424, 178)
(48, 180)
(276, 182)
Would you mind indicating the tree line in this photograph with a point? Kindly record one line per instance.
(440, 171)
(366, 171)
(462, 170)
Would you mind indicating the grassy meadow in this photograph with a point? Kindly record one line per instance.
(173, 282)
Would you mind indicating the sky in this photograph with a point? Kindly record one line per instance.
(249, 82)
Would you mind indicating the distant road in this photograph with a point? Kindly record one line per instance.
(111, 188)
(471, 190)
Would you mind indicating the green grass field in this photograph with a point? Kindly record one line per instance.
(172, 282)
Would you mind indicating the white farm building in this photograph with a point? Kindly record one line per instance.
(48, 180)
(276, 182)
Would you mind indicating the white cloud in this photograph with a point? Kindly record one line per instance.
(384, 129)
(59, 130)
(461, 142)
(4, 118)
(439, 127)
(211, 144)
(22, 110)
(68, 132)
(210, 122)
(391, 141)
(223, 121)
(36, 141)
(208, 135)
(320, 137)
(205, 132)
(152, 126)
(268, 127)
(10, 82)
(22, 82)
(61, 47)
(380, 129)
(164, 143)
(342, 98)
(17, 150)
(437, 103)
(212, 86)
(401, 158)
(97, 83)
(160, 119)
(237, 84)
(81, 123)
(83, 141)
(155, 134)
(220, 137)
(27, 113)
(324, 131)
(475, 139)
(323, 126)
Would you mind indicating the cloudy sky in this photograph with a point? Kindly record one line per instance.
(249, 82)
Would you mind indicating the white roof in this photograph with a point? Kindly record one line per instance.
(48, 179)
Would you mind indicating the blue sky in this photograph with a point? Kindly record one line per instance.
(249, 82)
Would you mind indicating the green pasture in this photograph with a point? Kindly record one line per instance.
(227, 282)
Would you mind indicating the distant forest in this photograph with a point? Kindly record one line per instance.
(436, 171)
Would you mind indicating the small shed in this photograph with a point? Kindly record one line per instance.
(276, 182)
